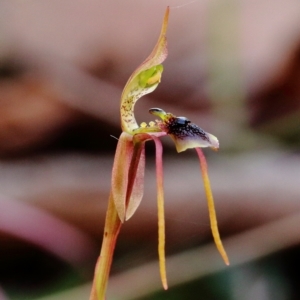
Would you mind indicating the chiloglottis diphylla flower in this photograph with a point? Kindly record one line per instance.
(129, 163)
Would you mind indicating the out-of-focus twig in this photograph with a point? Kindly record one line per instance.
(36, 226)
(2, 295)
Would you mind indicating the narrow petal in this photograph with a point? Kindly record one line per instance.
(120, 171)
(161, 213)
(211, 206)
(160, 200)
(144, 79)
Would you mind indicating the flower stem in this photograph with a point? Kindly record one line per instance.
(102, 270)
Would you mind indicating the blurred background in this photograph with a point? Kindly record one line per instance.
(233, 68)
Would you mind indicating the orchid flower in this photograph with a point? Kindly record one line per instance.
(129, 163)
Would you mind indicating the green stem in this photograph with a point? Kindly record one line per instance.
(111, 232)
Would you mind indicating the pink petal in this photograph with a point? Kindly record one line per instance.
(120, 170)
(135, 189)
